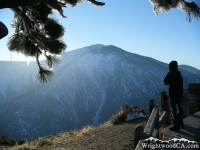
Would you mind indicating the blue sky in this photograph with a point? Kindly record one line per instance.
(128, 24)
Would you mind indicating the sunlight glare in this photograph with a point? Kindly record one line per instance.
(28, 59)
(59, 55)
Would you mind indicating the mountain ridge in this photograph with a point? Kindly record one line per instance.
(88, 87)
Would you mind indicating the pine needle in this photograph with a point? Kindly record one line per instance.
(52, 61)
(44, 75)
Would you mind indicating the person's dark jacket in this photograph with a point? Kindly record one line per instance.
(175, 81)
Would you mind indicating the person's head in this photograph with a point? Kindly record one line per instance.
(173, 65)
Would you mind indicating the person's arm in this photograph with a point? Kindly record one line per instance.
(181, 80)
(167, 79)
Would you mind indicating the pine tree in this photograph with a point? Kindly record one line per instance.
(191, 8)
(34, 27)
(35, 32)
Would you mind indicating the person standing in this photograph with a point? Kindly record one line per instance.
(175, 81)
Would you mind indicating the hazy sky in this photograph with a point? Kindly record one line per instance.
(128, 24)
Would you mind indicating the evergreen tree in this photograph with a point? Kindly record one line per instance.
(36, 32)
(191, 8)
(35, 28)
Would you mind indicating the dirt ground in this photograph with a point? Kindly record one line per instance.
(103, 137)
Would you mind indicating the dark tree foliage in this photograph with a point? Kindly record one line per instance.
(191, 8)
(36, 32)
(35, 28)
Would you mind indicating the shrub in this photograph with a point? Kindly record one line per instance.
(4, 141)
(20, 142)
(120, 117)
(45, 142)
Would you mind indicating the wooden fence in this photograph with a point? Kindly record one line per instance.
(190, 105)
(154, 122)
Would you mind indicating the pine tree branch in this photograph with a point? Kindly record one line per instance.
(191, 8)
(58, 6)
(26, 24)
(16, 3)
(37, 59)
(51, 61)
(96, 3)
(44, 75)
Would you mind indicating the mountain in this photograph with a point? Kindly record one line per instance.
(15, 79)
(88, 87)
(190, 69)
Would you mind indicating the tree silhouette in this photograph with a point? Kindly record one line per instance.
(35, 32)
(191, 8)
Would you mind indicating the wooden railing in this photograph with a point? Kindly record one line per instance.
(154, 122)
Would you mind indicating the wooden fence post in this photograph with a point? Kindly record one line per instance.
(185, 106)
(149, 128)
(157, 124)
(166, 107)
(151, 105)
(137, 135)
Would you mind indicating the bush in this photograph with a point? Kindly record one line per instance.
(45, 142)
(117, 119)
(20, 142)
(120, 117)
(4, 141)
